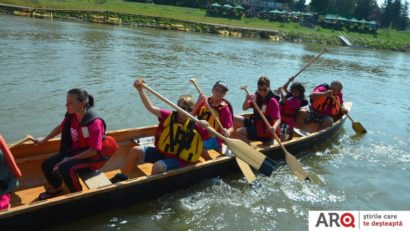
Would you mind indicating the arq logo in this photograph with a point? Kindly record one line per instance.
(333, 220)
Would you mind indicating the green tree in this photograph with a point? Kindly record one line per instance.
(290, 3)
(300, 5)
(404, 16)
(319, 6)
(365, 8)
(394, 14)
(344, 7)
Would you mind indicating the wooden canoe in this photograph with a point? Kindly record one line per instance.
(98, 194)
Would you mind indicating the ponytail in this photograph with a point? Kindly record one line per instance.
(82, 95)
(90, 102)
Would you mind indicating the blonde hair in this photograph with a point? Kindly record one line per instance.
(186, 101)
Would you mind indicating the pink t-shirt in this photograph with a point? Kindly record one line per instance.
(225, 115)
(271, 109)
(4, 201)
(94, 131)
(323, 89)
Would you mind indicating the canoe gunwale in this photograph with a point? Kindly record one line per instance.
(57, 210)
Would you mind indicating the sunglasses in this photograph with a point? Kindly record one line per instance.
(185, 108)
(264, 89)
(219, 89)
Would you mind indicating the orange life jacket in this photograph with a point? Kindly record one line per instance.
(325, 104)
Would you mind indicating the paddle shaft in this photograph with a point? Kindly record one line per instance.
(264, 119)
(206, 103)
(28, 137)
(242, 150)
(292, 162)
(311, 61)
(340, 105)
(211, 130)
(243, 166)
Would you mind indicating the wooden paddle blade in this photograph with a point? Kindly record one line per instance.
(294, 165)
(246, 170)
(358, 128)
(253, 157)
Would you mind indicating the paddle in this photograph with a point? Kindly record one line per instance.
(357, 127)
(246, 170)
(28, 137)
(325, 50)
(290, 159)
(256, 159)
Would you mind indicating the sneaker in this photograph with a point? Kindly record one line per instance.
(119, 177)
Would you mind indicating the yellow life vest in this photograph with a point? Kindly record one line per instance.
(181, 140)
(205, 114)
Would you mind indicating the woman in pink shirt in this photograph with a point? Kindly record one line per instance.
(82, 132)
(254, 128)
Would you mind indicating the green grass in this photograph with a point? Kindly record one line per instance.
(384, 37)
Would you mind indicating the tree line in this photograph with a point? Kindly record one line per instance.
(392, 13)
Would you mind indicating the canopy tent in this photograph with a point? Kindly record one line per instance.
(342, 19)
(295, 13)
(330, 17)
(215, 5)
(275, 12)
(363, 21)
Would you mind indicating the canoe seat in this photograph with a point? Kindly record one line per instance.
(301, 132)
(214, 154)
(95, 179)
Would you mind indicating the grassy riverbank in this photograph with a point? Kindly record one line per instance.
(384, 39)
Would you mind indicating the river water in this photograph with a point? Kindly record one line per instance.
(40, 60)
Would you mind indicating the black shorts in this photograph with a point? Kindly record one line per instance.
(314, 116)
(251, 131)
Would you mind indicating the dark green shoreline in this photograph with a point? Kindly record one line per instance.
(115, 18)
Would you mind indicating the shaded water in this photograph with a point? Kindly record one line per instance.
(40, 60)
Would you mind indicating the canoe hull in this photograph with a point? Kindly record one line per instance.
(57, 211)
(75, 207)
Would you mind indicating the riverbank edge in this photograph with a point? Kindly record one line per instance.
(117, 18)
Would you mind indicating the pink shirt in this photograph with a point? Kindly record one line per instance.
(272, 109)
(4, 201)
(225, 115)
(94, 131)
(323, 89)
